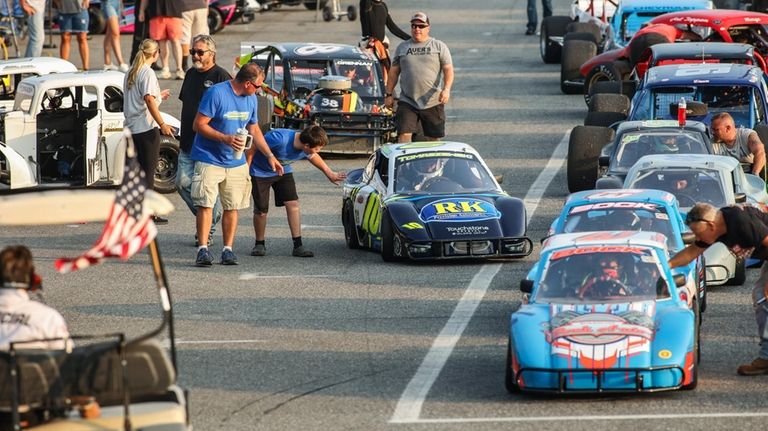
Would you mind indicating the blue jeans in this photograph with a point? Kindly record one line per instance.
(761, 310)
(36, 31)
(532, 17)
(185, 170)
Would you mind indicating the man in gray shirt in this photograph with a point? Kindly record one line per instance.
(740, 143)
(426, 69)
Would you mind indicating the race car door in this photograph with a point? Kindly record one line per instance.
(367, 201)
(95, 147)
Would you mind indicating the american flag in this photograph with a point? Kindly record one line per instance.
(129, 227)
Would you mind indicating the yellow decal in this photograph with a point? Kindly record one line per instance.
(413, 225)
(665, 354)
(463, 207)
(371, 214)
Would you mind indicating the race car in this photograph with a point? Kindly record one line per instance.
(686, 26)
(293, 72)
(66, 129)
(13, 70)
(431, 200)
(717, 180)
(603, 313)
(636, 210)
(599, 158)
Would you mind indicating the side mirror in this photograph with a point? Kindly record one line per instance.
(688, 238)
(740, 197)
(526, 286)
(604, 161)
(679, 280)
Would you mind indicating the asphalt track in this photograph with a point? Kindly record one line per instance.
(344, 341)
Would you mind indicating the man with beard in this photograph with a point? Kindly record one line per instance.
(203, 74)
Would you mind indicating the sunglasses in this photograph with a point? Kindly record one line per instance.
(419, 25)
(695, 218)
(198, 52)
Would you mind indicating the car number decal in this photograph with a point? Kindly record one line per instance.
(371, 214)
(317, 49)
(609, 205)
(698, 69)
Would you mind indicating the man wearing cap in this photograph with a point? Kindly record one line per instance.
(744, 230)
(425, 66)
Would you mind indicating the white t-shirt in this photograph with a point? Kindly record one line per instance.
(22, 319)
(37, 5)
(137, 116)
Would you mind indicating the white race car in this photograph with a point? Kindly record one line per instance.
(692, 178)
(13, 70)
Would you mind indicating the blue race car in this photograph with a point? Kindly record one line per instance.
(603, 314)
(636, 210)
(431, 200)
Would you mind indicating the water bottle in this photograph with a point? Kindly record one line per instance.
(243, 134)
(681, 112)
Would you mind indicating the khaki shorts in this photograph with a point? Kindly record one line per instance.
(194, 22)
(232, 185)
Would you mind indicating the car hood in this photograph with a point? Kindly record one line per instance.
(458, 217)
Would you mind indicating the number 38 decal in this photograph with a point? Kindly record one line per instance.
(329, 103)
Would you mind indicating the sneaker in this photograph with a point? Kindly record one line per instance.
(530, 31)
(755, 368)
(228, 257)
(179, 74)
(259, 250)
(109, 66)
(124, 68)
(300, 251)
(204, 258)
(164, 74)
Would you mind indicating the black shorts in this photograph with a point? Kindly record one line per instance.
(284, 187)
(432, 120)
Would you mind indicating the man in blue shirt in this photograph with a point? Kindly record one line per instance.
(221, 165)
(288, 146)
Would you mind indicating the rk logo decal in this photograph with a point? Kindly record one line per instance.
(459, 210)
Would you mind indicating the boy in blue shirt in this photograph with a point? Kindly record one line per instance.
(288, 146)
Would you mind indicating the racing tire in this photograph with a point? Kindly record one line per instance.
(167, 165)
(603, 119)
(640, 44)
(585, 27)
(552, 26)
(509, 377)
(388, 242)
(312, 5)
(740, 274)
(580, 35)
(97, 24)
(215, 21)
(575, 53)
(584, 148)
(350, 230)
(351, 13)
(615, 71)
(327, 14)
(609, 103)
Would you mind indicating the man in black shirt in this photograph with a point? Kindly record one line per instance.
(744, 230)
(204, 73)
(374, 16)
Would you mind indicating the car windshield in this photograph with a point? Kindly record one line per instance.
(598, 274)
(634, 216)
(441, 172)
(636, 144)
(736, 100)
(363, 74)
(688, 185)
(305, 75)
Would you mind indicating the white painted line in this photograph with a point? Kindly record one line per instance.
(409, 405)
(256, 275)
(322, 226)
(586, 418)
(219, 341)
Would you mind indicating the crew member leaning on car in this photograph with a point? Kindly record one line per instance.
(741, 143)
(744, 230)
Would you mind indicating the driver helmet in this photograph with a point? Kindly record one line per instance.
(666, 144)
(610, 268)
(428, 167)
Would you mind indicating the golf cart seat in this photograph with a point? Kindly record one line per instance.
(40, 382)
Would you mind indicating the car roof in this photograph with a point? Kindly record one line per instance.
(708, 161)
(657, 5)
(697, 74)
(313, 51)
(39, 65)
(712, 18)
(607, 238)
(109, 77)
(398, 149)
(660, 125)
(702, 50)
(55, 207)
(620, 195)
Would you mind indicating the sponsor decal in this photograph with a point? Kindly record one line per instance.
(317, 49)
(752, 19)
(614, 205)
(409, 157)
(412, 225)
(629, 138)
(560, 254)
(418, 145)
(659, 123)
(468, 230)
(665, 354)
(612, 195)
(354, 63)
(458, 210)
